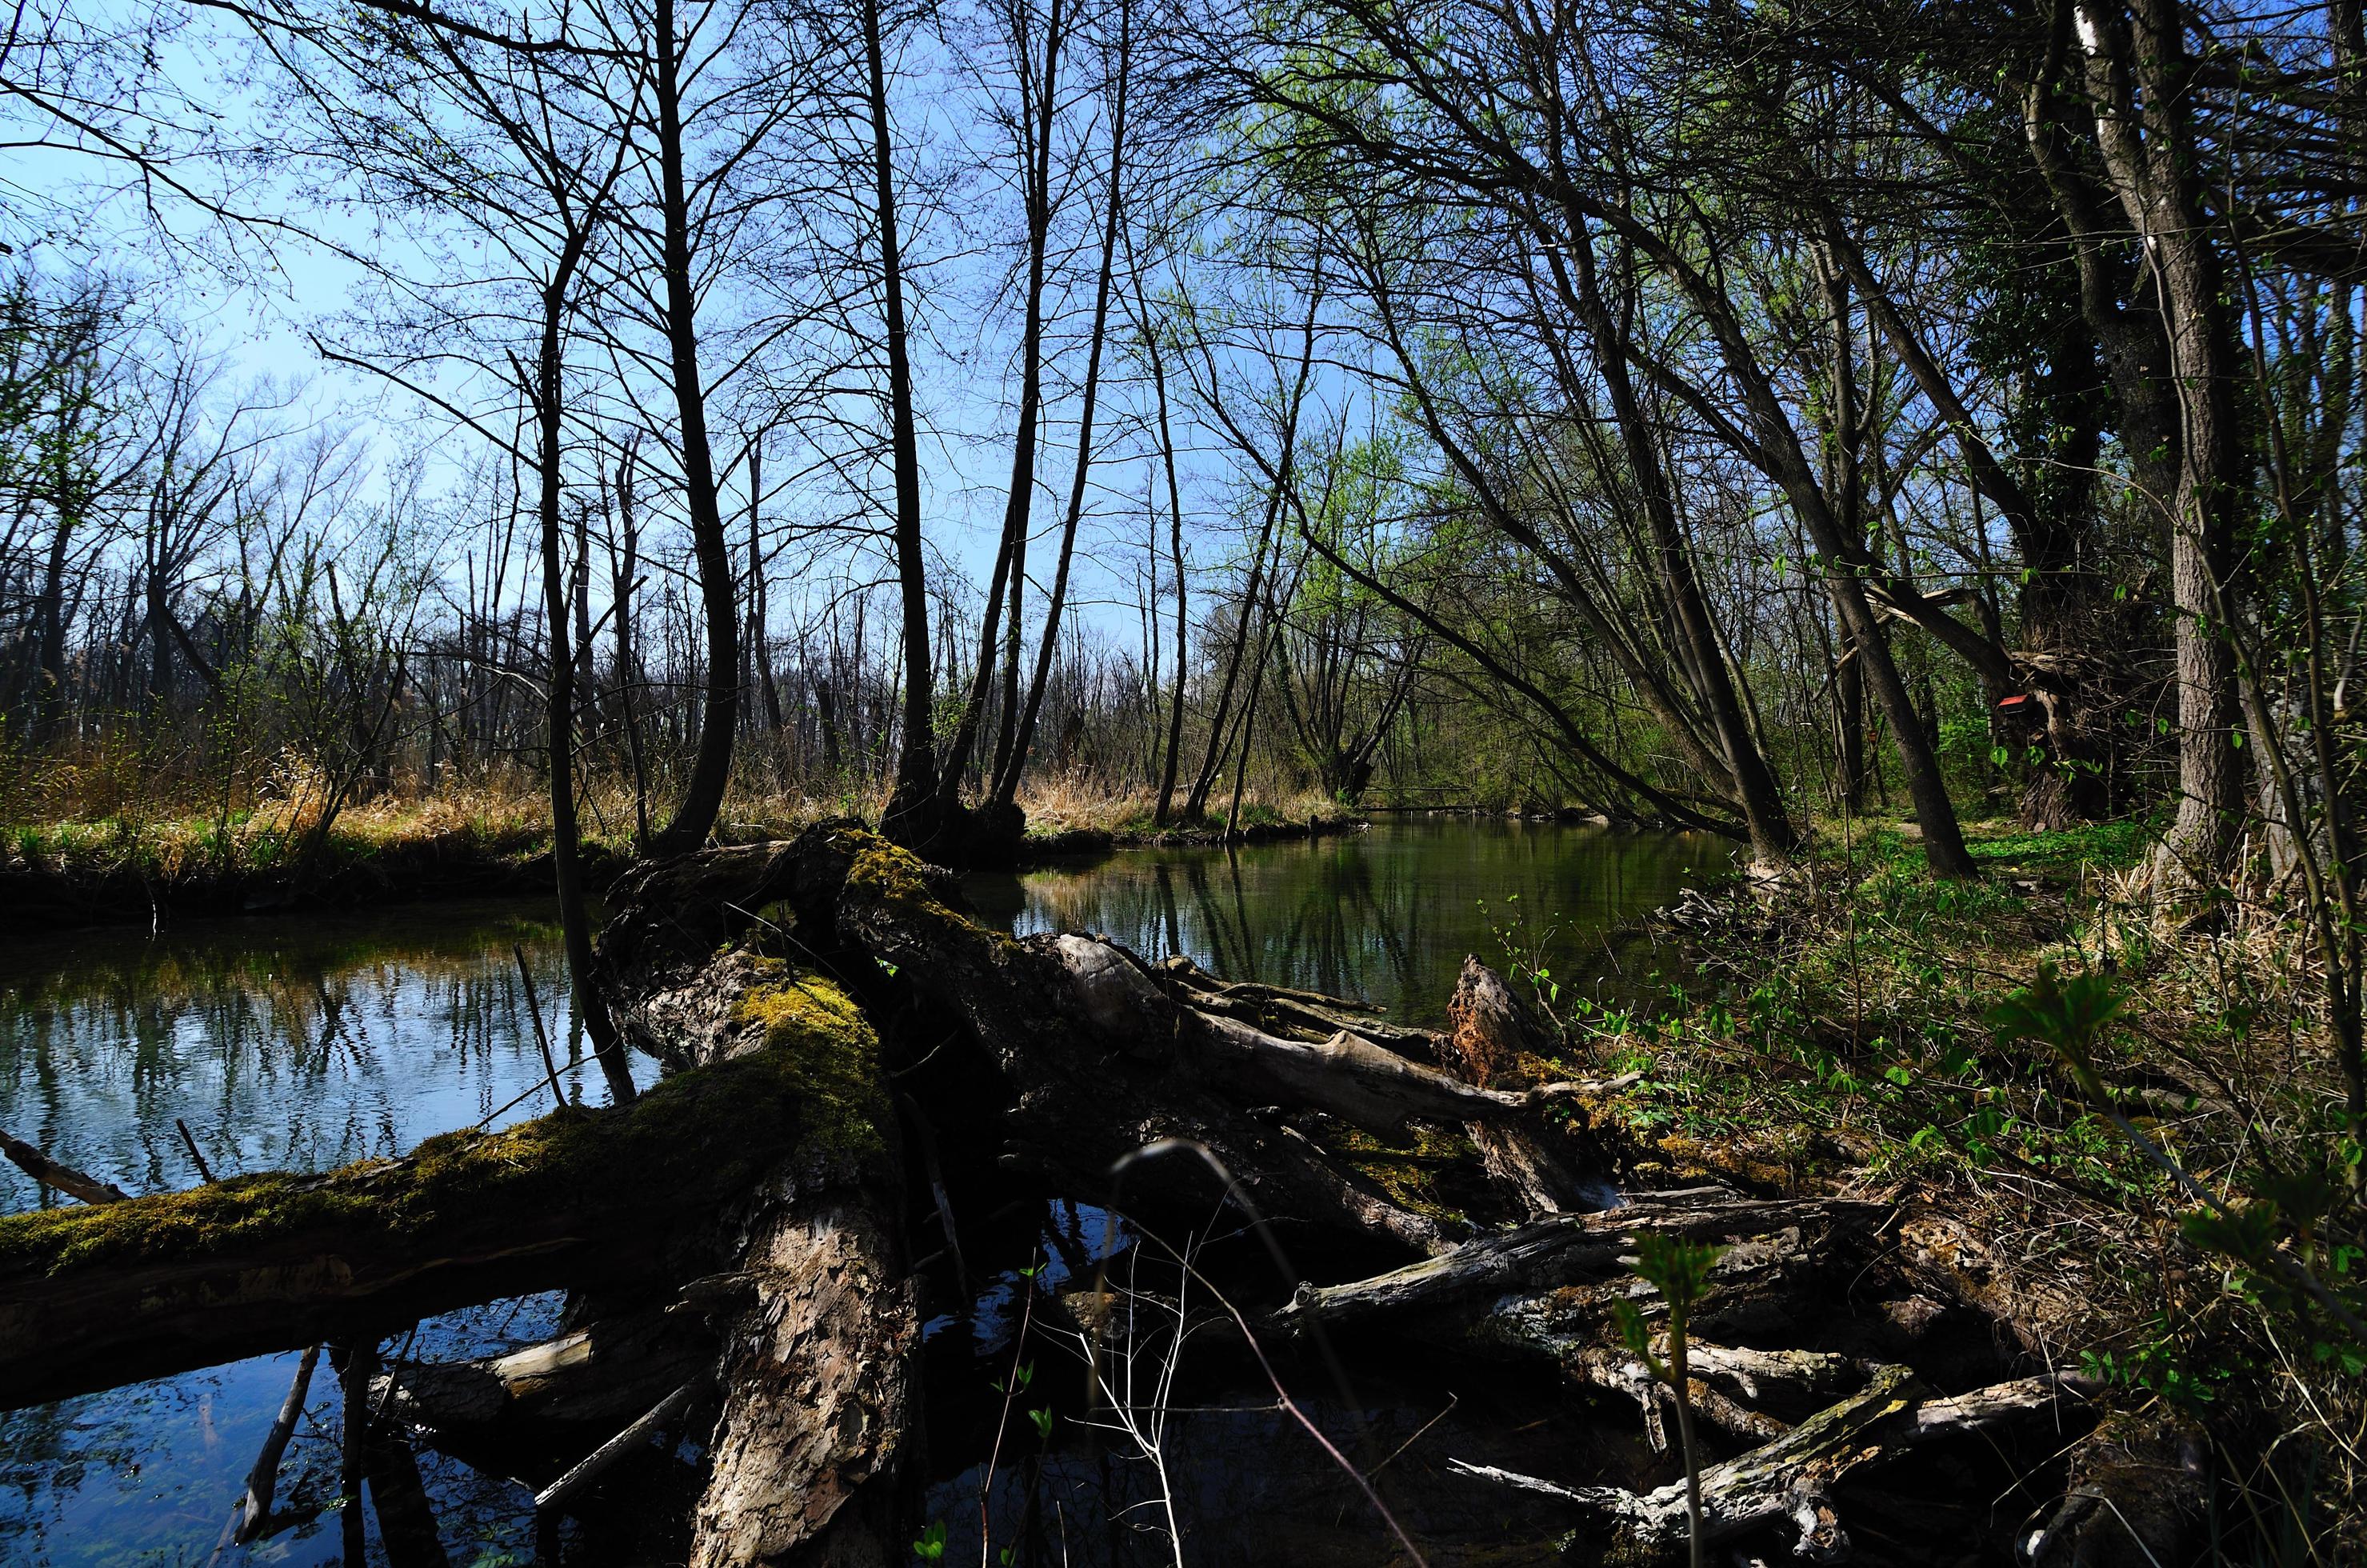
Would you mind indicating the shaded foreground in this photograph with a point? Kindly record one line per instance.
(863, 1074)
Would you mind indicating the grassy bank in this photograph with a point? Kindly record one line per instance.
(1065, 821)
(1845, 1031)
(131, 865)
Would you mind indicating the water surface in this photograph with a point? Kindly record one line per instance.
(1386, 914)
(285, 1042)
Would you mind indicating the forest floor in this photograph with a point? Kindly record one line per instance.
(1840, 1034)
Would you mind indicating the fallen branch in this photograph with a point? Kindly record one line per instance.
(253, 1508)
(65, 1179)
(1789, 1482)
(604, 1457)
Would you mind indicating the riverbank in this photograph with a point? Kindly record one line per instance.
(1982, 1055)
(124, 872)
(75, 875)
(1063, 828)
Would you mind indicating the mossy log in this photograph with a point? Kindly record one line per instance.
(818, 1347)
(93, 1297)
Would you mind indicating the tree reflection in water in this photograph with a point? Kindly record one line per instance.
(1387, 914)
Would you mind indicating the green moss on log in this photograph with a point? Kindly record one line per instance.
(1410, 1170)
(892, 876)
(827, 1048)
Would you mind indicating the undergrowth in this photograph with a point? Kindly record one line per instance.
(1844, 1031)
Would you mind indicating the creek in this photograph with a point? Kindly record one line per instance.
(307, 1041)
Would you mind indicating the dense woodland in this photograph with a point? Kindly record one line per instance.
(1791, 422)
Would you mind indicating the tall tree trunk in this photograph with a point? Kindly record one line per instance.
(913, 816)
(1284, 469)
(2171, 365)
(1010, 572)
(624, 566)
(1749, 776)
(759, 602)
(50, 611)
(1175, 540)
(2138, 75)
(702, 796)
(1006, 788)
(566, 841)
(1846, 559)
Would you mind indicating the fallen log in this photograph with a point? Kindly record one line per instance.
(588, 1379)
(1556, 1253)
(1280, 1010)
(1099, 1062)
(819, 1340)
(91, 1298)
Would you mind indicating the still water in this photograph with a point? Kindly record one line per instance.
(1386, 914)
(307, 1041)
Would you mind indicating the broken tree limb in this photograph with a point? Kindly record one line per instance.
(1788, 1482)
(247, 1519)
(593, 1378)
(1278, 1009)
(197, 1155)
(560, 1493)
(1492, 1037)
(64, 1177)
(1557, 1253)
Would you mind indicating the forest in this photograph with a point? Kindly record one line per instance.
(1420, 781)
